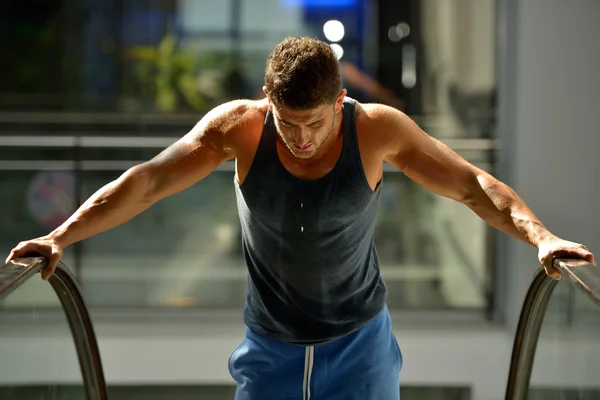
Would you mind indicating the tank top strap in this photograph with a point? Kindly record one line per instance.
(350, 152)
(266, 151)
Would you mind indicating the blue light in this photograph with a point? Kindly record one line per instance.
(320, 3)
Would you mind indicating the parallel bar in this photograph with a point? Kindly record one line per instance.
(15, 273)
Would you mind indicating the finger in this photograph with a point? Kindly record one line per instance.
(11, 256)
(48, 271)
(578, 253)
(547, 262)
(589, 257)
(52, 263)
(552, 272)
(583, 254)
(14, 254)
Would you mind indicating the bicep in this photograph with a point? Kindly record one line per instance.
(429, 162)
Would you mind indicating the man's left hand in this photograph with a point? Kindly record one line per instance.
(555, 247)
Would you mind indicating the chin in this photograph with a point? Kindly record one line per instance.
(304, 155)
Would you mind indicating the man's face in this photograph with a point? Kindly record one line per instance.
(305, 131)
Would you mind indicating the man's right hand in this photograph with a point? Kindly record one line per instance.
(42, 246)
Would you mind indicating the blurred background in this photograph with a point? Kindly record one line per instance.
(91, 87)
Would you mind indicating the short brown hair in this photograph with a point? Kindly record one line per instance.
(303, 73)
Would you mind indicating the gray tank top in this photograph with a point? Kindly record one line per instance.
(309, 244)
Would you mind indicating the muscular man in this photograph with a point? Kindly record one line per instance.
(308, 179)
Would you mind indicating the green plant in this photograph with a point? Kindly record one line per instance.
(170, 76)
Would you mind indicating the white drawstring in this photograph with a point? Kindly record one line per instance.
(309, 359)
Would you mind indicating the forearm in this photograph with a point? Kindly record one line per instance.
(112, 205)
(501, 207)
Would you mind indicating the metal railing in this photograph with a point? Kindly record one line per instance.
(15, 273)
(585, 277)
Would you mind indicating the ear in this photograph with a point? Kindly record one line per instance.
(339, 102)
(264, 88)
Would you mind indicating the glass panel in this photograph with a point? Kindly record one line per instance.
(568, 353)
(29, 333)
(432, 249)
(186, 250)
(183, 250)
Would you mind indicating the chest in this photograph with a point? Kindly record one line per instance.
(293, 206)
(285, 200)
(311, 170)
(368, 160)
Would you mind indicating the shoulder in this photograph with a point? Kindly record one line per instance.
(234, 115)
(382, 128)
(374, 115)
(231, 124)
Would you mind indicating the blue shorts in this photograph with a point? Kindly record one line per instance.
(364, 365)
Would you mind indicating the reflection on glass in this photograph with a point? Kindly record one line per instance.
(27, 331)
(186, 250)
(568, 353)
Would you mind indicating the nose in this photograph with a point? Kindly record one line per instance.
(302, 136)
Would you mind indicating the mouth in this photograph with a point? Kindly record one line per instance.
(304, 148)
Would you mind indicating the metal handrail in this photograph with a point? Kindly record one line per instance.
(17, 272)
(584, 276)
